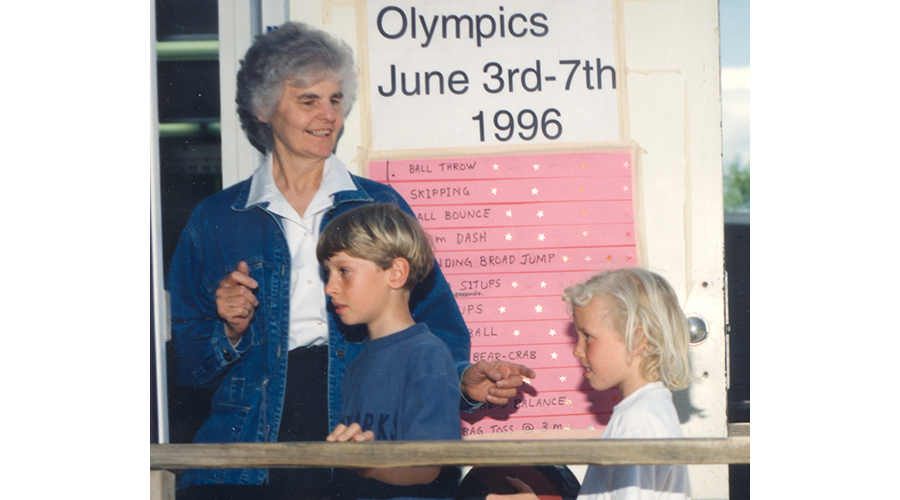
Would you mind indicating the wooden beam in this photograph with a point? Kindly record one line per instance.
(735, 450)
(739, 429)
(162, 485)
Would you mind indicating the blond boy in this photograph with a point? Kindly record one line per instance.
(404, 385)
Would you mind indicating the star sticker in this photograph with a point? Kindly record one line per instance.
(537, 167)
(582, 166)
(562, 379)
(591, 427)
(493, 190)
(516, 333)
(543, 284)
(583, 210)
(538, 308)
(626, 165)
(534, 191)
(609, 257)
(568, 401)
(496, 167)
(581, 189)
(624, 188)
(628, 258)
(584, 233)
(509, 213)
(565, 258)
(541, 237)
(628, 234)
(587, 259)
(540, 214)
(552, 332)
(526, 380)
(508, 237)
(553, 355)
(502, 309)
(515, 284)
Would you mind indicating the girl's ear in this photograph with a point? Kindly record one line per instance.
(641, 343)
(642, 340)
(398, 273)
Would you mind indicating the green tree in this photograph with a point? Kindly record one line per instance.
(736, 184)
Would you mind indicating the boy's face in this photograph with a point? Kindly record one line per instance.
(601, 350)
(358, 289)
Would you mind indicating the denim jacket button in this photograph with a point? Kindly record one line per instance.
(227, 356)
(340, 354)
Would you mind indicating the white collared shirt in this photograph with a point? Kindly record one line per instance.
(308, 317)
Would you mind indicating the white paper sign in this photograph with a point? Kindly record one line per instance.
(449, 74)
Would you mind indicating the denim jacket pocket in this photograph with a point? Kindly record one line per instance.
(228, 420)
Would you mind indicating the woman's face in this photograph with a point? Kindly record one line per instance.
(306, 121)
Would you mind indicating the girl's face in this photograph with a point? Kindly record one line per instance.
(601, 350)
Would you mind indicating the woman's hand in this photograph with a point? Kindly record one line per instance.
(236, 302)
(524, 491)
(494, 382)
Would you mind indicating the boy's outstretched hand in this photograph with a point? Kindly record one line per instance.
(524, 491)
(494, 382)
(354, 432)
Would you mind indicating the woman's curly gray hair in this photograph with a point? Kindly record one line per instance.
(292, 54)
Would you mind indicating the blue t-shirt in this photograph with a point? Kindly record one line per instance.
(403, 387)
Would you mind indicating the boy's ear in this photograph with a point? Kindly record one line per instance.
(399, 273)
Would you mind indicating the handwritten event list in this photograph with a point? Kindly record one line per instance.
(511, 233)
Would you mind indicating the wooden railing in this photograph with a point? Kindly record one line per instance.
(169, 457)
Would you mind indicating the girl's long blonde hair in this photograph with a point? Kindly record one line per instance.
(644, 308)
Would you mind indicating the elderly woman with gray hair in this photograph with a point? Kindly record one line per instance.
(249, 314)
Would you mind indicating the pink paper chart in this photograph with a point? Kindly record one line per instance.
(511, 233)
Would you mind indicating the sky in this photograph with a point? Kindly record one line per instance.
(734, 36)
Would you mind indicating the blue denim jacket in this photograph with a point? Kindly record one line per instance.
(250, 377)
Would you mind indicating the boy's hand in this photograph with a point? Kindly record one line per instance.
(494, 382)
(524, 491)
(342, 434)
(400, 476)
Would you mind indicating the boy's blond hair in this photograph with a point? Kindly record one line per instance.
(643, 306)
(379, 232)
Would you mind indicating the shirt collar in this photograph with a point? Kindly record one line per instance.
(264, 192)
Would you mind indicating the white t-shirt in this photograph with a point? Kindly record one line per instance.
(647, 413)
(308, 318)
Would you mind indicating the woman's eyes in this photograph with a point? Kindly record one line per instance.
(309, 103)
